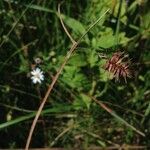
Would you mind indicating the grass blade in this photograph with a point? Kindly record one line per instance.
(116, 116)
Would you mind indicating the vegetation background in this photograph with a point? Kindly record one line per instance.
(70, 118)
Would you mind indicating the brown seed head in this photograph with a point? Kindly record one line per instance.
(118, 66)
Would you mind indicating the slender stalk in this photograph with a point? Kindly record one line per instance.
(118, 23)
(65, 29)
(68, 55)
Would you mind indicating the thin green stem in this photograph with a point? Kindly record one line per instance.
(14, 25)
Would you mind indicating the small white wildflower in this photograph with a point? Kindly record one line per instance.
(37, 75)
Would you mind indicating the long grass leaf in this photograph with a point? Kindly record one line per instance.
(58, 109)
(121, 120)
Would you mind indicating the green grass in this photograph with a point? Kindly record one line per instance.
(70, 118)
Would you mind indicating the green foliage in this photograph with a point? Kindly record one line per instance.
(74, 78)
(32, 29)
(75, 25)
(81, 102)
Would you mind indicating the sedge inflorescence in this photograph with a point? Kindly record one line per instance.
(118, 66)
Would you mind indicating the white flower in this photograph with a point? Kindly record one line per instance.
(37, 75)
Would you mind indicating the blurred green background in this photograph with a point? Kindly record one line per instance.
(70, 118)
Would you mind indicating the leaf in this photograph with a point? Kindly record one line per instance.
(41, 8)
(78, 60)
(106, 40)
(105, 75)
(123, 18)
(74, 78)
(82, 101)
(92, 58)
(123, 39)
(58, 109)
(75, 25)
(86, 100)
